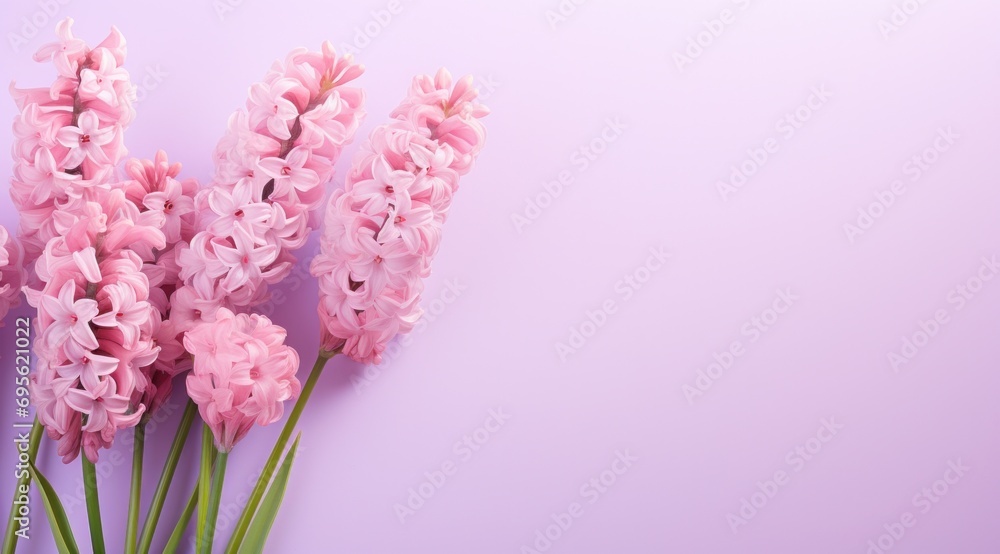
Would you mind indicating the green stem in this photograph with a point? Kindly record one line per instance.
(135, 492)
(182, 524)
(169, 467)
(243, 524)
(218, 476)
(93, 505)
(204, 479)
(23, 483)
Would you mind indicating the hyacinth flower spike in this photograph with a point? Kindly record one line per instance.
(381, 233)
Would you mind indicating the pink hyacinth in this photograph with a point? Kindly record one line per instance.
(96, 326)
(383, 229)
(68, 137)
(11, 273)
(156, 192)
(243, 373)
(270, 169)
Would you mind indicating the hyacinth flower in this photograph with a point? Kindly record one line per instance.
(11, 273)
(94, 330)
(381, 232)
(243, 374)
(155, 191)
(69, 137)
(270, 170)
(94, 324)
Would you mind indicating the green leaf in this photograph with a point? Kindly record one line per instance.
(57, 515)
(266, 475)
(264, 519)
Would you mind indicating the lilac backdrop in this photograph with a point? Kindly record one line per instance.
(818, 430)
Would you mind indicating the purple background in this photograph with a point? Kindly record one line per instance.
(368, 440)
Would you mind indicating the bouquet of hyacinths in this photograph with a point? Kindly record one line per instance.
(139, 277)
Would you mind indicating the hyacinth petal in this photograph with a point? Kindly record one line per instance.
(86, 261)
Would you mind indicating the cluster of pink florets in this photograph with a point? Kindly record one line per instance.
(69, 137)
(11, 272)
(95, 324)
(383, 229)
(155, 190)
(243, 373)
(104, 250)
(271, 168)
(138, 280)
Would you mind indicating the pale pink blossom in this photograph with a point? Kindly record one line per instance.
(70, 317)
(95, 344)
(11, 273)
(125, 314)
(244, 260)
(382, 231)
(270, 168)
(85, 140)
(243, 373)
(269, 105)
(290, 174)
(174, 204)
(158, 194)
(68, 136)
